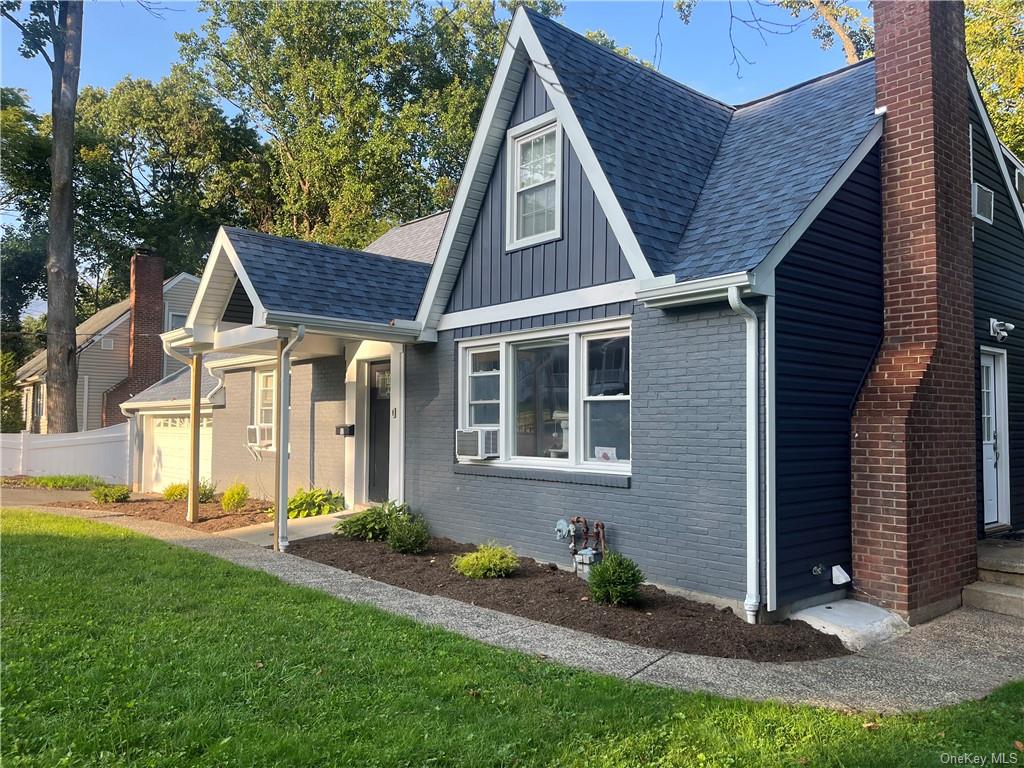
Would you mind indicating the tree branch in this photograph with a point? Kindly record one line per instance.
(24, 36)
(838, 30)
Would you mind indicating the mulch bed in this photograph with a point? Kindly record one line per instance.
(542, 592)
(211, 517)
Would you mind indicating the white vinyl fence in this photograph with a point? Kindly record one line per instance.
(99, 452)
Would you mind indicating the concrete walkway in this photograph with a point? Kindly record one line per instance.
(960, 656)
(262, 534)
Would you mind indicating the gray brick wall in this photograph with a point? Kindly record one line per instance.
(682, 519)
(317, 454)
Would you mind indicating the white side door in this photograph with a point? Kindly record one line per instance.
(989, 438)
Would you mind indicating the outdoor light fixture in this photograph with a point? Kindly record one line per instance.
(999, 328)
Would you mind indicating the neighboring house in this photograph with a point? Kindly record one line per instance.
(771, 346)
(119, 348)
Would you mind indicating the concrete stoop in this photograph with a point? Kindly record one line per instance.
(1000, 584)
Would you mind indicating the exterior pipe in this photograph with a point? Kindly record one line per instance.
(752, 602)
(284, 410)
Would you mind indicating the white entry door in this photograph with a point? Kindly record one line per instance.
(994, 441)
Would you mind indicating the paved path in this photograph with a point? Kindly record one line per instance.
(262, 534)
(962, 655)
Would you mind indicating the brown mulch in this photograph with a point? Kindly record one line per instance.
(211, 517)
(544, 593)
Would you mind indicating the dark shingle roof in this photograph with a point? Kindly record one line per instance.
(655, 138)
(175, 386)
(777, 154)
(415, 240)
(310, 278)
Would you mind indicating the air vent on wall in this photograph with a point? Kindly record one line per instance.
(106, 343)
(983, 203)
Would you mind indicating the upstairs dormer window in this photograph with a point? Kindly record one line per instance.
(534, 173)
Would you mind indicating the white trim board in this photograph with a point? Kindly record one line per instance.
(997, 149)
(581, 298)
(522, 48)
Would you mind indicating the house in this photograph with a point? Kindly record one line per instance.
(773, 346)
(119, 349)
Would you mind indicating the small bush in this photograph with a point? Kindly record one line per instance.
(615, 579)
(315, 501)
(408, 534)
(489, 561)
(111, 494)
(235, 498)
(371, 524)
(207, 491)
(176, 492)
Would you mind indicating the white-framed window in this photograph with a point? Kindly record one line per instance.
(176, 320)
(265, 391)
(983, 203)
(534, 174)
(1018, 182)
(559, 396)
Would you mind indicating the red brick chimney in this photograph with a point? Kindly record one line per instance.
(146, 298)
(914, 484)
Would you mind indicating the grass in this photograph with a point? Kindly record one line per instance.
(60, 482)
(120, 650)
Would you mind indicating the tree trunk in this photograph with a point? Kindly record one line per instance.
(61, 274)
(849, 49)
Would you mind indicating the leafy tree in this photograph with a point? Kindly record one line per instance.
(995, 47)
(53, 31)
(369, 107)
(23, 273)
(10, 399)
(602, 38)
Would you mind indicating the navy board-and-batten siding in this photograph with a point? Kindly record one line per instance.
(587, 254)
(682, 516)
(999, 293)
(828, 324)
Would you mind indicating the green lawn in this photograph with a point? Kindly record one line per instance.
(123, 650)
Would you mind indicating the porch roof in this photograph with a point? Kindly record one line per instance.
(302, 278)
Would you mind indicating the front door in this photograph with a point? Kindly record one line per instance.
(379, 432)
(991, 419)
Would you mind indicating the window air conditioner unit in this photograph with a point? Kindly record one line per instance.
(259, 436)
(476, 443)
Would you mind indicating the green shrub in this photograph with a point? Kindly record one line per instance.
(489, 561)
(371, 524)
(315, 501)
(615, 579)
(176, 492)
(111, 494)
(408, 534)
(235, 498)
(207, 491)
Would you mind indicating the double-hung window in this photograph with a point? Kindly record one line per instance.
(534, 173)
(264, 408)
(561, 397)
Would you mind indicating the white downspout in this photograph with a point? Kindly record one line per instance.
(753, 599)
(283, 438)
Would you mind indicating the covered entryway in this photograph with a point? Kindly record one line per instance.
(167, 450)
(994, 438)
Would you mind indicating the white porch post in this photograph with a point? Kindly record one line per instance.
(193, 426)
(284, 392)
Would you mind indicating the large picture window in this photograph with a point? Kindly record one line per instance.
(560, 397)
(534, 189)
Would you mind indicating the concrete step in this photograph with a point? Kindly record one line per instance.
(1004, 555)
(997, 598)
(1001, 577)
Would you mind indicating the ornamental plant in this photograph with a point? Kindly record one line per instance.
(111, 494)
(489, 561)
(373, 523)
(234, 498)
(408, 534)
(615, 579)
(176, 492)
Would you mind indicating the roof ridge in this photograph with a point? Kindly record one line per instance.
(811, 81)
(330, 246)
(421, 218)
(635, 64)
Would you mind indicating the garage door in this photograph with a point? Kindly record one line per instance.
(167, 451)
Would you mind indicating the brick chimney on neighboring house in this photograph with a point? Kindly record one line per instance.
(145, 324)
(914, 484)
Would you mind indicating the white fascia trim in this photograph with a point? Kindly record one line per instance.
(764, 272)
(752, 601)
(1012, 157)
(222, 248)
(595, 295)
(698, 291)
(174, 406)
(996, 147)
(244, 336)
(521, 33)
(613, 212)
(401, 331)
(242, 361)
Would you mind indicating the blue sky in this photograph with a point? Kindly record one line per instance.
(122, 38)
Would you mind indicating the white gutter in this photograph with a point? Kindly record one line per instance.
(695, 291)
(283, 438)
(167, 340)
(770, 579)
(752, 602)
(396, 330)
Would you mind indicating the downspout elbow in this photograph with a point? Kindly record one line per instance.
(172, 352)
(752, 602)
